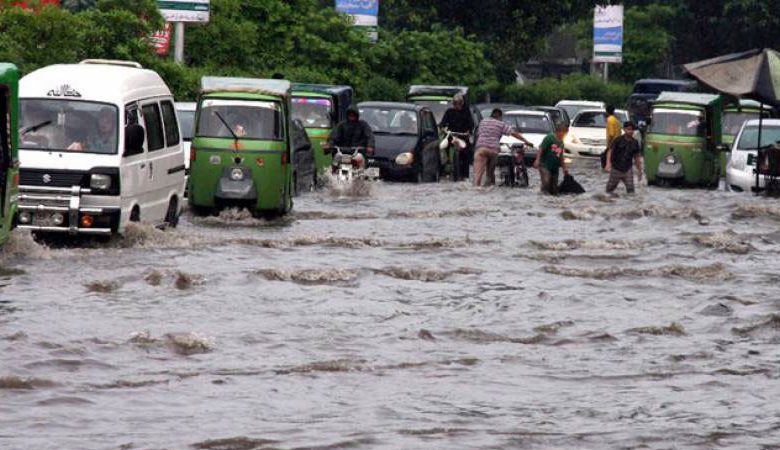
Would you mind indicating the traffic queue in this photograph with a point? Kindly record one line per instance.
(88, 148)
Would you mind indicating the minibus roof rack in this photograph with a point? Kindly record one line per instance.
(113, 62)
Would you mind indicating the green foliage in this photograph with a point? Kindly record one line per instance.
(550, 90)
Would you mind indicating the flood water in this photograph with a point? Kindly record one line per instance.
(406, 317)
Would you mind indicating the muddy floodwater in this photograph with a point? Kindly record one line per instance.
(404, 316)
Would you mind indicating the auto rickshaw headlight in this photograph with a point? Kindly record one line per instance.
(100, 182)
(670, 159)
(404, 159)
(236, 174)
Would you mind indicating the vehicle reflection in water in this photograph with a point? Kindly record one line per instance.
(426, 316)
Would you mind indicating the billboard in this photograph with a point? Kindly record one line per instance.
(364, 13)
(161, 40)
(608, 34)
(184, 10)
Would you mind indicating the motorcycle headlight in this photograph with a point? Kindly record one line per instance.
(404, 159)
(100, 182)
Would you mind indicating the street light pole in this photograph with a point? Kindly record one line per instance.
(178, 50)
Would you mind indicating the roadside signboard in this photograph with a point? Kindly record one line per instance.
(161, 40)
(184, 10)
(608, 34)
(364, 14)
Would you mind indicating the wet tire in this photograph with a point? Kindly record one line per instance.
(431, 166)
(172, 215)
(135, 214)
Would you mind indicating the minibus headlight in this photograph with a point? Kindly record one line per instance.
(100, 182)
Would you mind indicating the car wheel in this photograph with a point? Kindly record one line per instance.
(172, 215)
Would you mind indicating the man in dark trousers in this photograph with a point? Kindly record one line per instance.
(458, 119)
(624, 151)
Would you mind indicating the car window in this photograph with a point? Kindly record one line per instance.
(534, 124)
(429, 123)
(749, 138)
(390, 120)
(171, 125)
(591, 120)
(154, 130)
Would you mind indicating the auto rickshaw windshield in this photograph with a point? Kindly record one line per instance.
(313, 112)
(770, 134)
(247, 119)
(69, 126)
(733, 120)
(677, 122)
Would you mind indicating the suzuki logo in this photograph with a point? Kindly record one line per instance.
(46, 178)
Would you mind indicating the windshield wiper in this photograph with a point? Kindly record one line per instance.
(36, 127)
(227, 125)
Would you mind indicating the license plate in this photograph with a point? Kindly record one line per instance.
(372, 172)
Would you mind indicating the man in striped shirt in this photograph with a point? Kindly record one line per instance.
(489, 144)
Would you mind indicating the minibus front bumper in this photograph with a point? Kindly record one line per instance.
(60, 210)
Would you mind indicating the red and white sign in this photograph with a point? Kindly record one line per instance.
(161, 40)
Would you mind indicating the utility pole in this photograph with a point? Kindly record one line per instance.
(178, 50)
(606, 72)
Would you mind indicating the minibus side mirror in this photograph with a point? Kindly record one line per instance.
(134, 139)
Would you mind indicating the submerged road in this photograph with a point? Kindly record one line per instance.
(405, 316)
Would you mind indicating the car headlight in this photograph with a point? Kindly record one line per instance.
(404, 159)
(100, 182)
(236, 174)
(575, 140)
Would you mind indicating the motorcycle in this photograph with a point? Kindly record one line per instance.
(510, 166)
(452, 147)
(348, 163)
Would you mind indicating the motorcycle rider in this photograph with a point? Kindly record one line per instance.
(458, 119)
(352, 132)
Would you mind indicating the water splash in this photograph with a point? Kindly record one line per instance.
(701, 274)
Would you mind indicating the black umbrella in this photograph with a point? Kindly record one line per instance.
(754, 74)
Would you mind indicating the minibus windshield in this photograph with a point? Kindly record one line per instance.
(69, 126)
(247, 119)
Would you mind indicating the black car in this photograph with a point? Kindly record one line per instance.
(406, 139)
(559, 115)
(645, 91)
(305, 171)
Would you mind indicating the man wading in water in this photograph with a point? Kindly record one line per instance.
(489, 144)
(549, 160)
(620, 154)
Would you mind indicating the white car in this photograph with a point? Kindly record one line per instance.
(572, 107)
(533, 125)
(100, 146)
(186, 112)
(742, 162)
(588, 132)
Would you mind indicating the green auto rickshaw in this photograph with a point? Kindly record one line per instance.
(683, 143)
(320, 108)
(9, 148)
(241, 148)
(734, 116)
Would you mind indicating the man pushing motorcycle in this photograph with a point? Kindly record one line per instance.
(458, 120)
